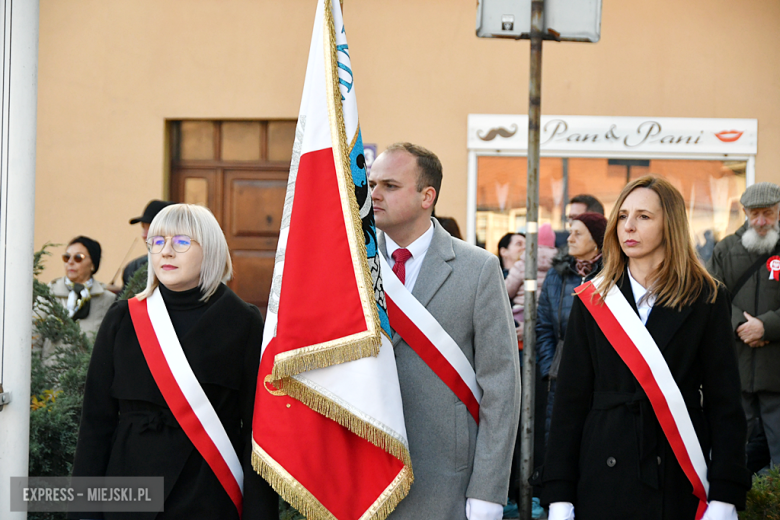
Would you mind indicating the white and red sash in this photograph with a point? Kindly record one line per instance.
(183, 393)
(637, 348)
(423, 333)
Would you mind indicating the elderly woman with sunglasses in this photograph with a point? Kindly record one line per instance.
(171, 384)
(85, 299)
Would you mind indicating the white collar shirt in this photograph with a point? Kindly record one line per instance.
(644, 301)
(418, 249)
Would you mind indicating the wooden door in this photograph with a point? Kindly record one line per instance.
(253, 201)
(239, 171)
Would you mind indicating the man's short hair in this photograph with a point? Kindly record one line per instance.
(429, 165)
(593, 205)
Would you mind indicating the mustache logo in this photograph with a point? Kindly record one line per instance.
(493, 132)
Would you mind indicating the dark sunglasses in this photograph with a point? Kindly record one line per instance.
(78, 257)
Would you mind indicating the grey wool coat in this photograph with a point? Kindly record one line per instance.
(453, 458)
(759, 368)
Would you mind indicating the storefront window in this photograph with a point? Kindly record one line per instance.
(711, 190)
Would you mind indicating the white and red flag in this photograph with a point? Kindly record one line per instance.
(328, 430)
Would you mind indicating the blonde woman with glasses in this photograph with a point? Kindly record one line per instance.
(647, 421)
(171, 384)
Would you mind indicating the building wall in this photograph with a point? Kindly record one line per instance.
(111, 72)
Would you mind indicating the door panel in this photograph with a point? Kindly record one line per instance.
(187, 186)
(254, 201)
(252, 275)
(255, 204)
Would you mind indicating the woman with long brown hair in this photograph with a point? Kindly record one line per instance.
(647, 421)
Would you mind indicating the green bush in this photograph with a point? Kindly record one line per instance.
(763, 500)
(135, 284)
(57, 388)
(288, 512)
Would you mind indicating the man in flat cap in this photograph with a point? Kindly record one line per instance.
(748, 263)
(151, 211)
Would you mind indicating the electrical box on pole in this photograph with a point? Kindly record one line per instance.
(564, 20)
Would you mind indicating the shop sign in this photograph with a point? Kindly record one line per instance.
(616, 135)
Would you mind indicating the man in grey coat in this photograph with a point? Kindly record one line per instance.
(748, 263)
(461, 469)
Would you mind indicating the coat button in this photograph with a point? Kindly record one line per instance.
(611, 462)
(659, 461)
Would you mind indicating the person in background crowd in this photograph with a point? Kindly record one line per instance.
(130, 426)
(586, 239)
(150, 211)
(451, 226)
(608, 455)
(579, 204)
(516, 292)
(706, 249)
(514, 280)
(510, 249)
(748, 263)
(85, 299)
(585, 203)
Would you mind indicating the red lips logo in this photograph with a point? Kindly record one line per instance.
(729, 136)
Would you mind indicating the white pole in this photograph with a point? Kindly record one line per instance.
(750, 171)
(19, 26)
(471, 199)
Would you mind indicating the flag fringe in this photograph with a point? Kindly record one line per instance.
(341, 152)
(342, 350)
(301, 499)
(290, 489)
(341, 415)
(388, 501)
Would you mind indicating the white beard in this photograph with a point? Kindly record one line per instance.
(755, 243)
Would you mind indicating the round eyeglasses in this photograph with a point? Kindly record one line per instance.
(78, 257)
(179, 243)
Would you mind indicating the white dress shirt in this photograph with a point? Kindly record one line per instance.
(418, 249)
(644, 301)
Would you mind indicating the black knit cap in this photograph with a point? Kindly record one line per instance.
(93, 247)
(151, 210)
(596, 224)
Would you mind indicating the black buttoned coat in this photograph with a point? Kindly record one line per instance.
(607, 453)
(127, 428)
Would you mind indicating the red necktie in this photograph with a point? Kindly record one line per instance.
(399, 268)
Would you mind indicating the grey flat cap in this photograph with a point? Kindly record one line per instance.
(761, 195)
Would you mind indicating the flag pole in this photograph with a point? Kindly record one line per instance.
(531, 241)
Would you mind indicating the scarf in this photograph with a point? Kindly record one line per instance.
(585, 267)
(78, 298)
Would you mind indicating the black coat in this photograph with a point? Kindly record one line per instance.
(133, 266)
(128, 430)
(607, 453)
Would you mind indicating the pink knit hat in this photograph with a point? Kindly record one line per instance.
(546, 235)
